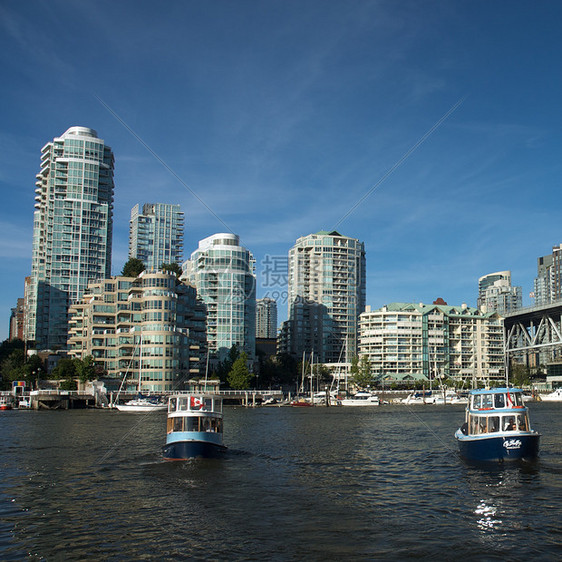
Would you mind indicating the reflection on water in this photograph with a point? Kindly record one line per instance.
(296, 483)
(486, 514)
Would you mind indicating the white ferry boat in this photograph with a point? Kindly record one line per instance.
(497, 427)
(195, 426)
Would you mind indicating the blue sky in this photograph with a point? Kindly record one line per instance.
(282, 115)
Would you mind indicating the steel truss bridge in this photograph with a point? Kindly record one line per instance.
(535, 329)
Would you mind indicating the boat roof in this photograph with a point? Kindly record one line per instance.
(501, 390)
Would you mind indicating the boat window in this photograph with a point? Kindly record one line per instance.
(206, 424)
(192, 424)
(170, 425)
(487, 401)
(509, 423)
(208, 404)
(178, 425)
(172, 405)
(499, 400)
(482, 426)
(182, 404)
(477, 401)
(493, 424)
(474, 428)
(522, 424)
(518, 399)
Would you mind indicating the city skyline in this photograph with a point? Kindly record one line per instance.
(428, 132)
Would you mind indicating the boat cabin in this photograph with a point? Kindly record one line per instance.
(195, 413)
(495, 411)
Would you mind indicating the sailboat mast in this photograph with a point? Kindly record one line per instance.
(311, 375)
(140, 364)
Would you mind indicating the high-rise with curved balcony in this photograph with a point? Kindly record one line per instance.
(223, 272)
(72, 231)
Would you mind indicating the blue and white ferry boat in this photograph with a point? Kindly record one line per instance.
(497, 427)
(194, 426)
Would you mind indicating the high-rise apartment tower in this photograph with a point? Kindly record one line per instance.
(548, 282)
(72, 231)
(326, 296)
(223, 273)
(266, 318)
(496, 293)
(156, 234)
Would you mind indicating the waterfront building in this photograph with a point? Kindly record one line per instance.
(431, 342)
(266, 318)
(156, 234)
(72, 231)
(326, 295)
(151, 328)
(548, 283)
(223, 272)
(496, 294)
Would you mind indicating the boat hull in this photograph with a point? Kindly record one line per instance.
(147, 407)
(359, 403)
(192, 449)
(513, 447)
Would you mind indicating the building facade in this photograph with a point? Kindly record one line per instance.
(326, 295)
(156, 234)
(496, 294)
(406, 341)
(72, 231)
(17, 318)
(149, 330)
(266, 318)
(223, 272)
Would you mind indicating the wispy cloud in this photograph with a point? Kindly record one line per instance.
(15, 242)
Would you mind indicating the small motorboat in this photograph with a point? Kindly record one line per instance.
(195, 427)
(142, 404)
(497, 427)
(301, 402)
(419, 397)
(448, 397)
(361, 398)
(555, 396)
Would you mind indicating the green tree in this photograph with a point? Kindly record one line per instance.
(85, 368)
(225, 366)
(173, 267)
(7, 346)
(133, 268)
(519, 374)
(361, 372)
(34, 369)
(240, 377)
(13, 368)
(66, 369)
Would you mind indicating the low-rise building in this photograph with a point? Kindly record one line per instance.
(405, 341)
(149, 329)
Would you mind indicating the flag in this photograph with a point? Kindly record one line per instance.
(196, 403)
(509, 400)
